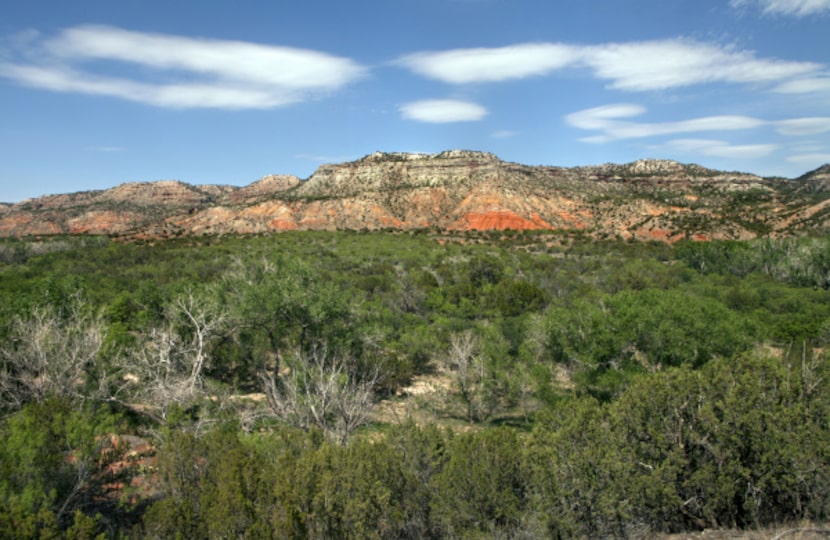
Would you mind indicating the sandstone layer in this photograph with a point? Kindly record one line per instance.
(452, 191)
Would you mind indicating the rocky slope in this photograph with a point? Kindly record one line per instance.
(454, 191)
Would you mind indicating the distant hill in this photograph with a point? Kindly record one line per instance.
(456, 190)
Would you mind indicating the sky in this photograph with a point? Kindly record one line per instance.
(95, 93)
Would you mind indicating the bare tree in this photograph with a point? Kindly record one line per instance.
(167, 368)
(469, 373)
(318, 389)
(203, 322)
(50, 355)
(410, 297)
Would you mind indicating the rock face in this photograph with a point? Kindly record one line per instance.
(455, 190)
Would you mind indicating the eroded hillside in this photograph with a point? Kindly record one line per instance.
(455, 191)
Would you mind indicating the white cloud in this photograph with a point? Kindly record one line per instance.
(633, 130)
(610, 121)
(489, 65)
(219, 94)
(803, 126)
(718, 148)
(607, 120)
(807, 146)
(197, 72)
(441, 111)
(596, 139)
(810, 160)
(660, 65)
(741, 151)
(798, 8)
(634, 66)
(604, 116)
(805, 85)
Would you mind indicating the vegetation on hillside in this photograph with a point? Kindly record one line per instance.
(268, 386)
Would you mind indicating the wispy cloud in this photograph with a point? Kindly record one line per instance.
(812, 160)
(193, 72)
(804, 126)
(601, 118)
(503, 134)
(612, 124)
(461, 66)
(441, 111)
(718, 148)
(797, 8)
(805, 85)
(607, 120)
(634, 66)
(660, 65)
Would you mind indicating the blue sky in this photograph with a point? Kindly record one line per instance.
(97, 93)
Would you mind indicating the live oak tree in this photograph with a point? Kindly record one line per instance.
(284, 300)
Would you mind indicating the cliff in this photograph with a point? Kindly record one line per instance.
(454, 191)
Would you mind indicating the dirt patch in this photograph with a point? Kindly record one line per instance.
(419, 401)
(806, 532)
